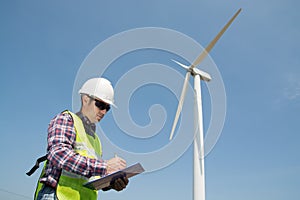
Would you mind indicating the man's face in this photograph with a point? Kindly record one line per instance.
(94, 113)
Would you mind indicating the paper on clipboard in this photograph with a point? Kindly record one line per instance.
(105, 181)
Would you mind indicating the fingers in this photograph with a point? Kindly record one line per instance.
(115, 164)
(121, 162)
(125, 179)
(120, 183)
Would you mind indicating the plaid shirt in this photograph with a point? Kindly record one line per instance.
(61, 155)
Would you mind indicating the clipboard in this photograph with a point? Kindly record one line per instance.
(105, 181)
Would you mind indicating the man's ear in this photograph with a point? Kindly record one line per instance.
(85, 99)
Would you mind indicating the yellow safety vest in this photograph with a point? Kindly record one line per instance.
(70, 185)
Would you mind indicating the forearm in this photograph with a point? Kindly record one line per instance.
(64, 157)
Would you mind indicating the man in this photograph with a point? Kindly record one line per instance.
(74, 149)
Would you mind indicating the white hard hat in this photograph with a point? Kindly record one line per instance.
(99, 88)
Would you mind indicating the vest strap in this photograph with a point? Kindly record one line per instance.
(37, 165)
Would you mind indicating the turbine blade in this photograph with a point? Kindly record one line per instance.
(214, 41)
(179, 108)
(180, 64)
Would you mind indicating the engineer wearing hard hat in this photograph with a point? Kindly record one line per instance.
(74, 149)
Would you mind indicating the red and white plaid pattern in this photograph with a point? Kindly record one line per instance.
(61, 155)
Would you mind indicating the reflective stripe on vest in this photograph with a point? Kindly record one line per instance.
(70, 184)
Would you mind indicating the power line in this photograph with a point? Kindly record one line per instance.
(13, 193)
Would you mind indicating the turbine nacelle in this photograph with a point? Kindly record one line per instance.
(203, 75)
(194, 71)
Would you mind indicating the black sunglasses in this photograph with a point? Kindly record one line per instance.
(102, 105)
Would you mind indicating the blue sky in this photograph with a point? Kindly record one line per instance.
(44, 43)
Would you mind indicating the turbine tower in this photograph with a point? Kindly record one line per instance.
(199, 173)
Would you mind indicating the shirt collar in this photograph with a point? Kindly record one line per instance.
(90, 128)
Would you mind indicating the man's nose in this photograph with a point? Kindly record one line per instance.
(103, 111)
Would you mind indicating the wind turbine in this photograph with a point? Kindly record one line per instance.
(199, 175)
